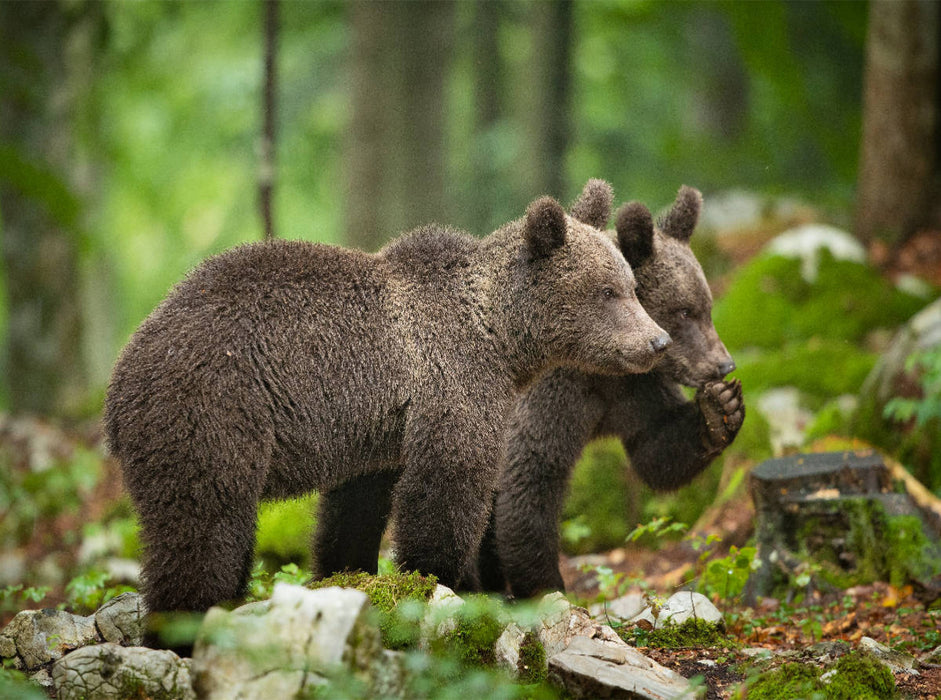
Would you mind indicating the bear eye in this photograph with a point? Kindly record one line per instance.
(608, 293)
(685, 313)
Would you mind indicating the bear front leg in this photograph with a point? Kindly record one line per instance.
(442, 501)
(670, 447)
(350, 521)
(723, 412)
(552, 423)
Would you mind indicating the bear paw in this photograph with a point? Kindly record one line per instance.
(723, 411)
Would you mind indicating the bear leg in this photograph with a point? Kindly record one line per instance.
(443, 499)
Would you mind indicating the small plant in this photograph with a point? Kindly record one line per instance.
(726, 577)
(261, 583)
(921, 410)
(657, 529)
(88, 592)
(15, 597)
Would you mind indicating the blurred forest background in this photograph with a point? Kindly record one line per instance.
(131, 135)
(138, 138)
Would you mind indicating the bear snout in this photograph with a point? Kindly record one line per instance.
(660, 343)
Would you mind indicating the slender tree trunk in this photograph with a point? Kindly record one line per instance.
(898, 159)
(396, 153)
(367, 157)
(266, 174)
(47, 53)
(552, 49)
(488, 90)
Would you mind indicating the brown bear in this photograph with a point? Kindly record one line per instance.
(279, 368)
(669, 439)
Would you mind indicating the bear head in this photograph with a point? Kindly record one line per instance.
(673, 289)
(592, 317)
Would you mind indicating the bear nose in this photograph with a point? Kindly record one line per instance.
(726, 367)
(661, 343)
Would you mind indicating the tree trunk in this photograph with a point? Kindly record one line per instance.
(266, 174)
(552, 49)
(488, 107)
(366, 148)
(48, 51)
(900, 121)
(395, 152)
(425, 31)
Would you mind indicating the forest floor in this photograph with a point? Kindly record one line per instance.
(818, 627)
(804, 630)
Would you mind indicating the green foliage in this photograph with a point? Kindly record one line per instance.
(656, 528)
(89, 591)
(16, 597)
(598, 498)
(768, 304)
(261, 583)
(726, 577)
(27, 495)
(820, 368)
(15, 684)
(285, 529)
(926, 409)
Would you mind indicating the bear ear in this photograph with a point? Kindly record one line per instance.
(544, 230)
(593, 206)
(680, 221)
(634, 225)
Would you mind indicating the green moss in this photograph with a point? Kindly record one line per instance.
(532, 660)
(911, 555)
(398, 598)
(788, 682)
(854, 541)
(692, 633)
(478, 625)
(855, 676)
(860, 677)
(769, 304)
(284, 532)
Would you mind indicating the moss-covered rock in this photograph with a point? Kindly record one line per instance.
(855, 676)
(478, 625)
(398, 599)
(788, 682)
(769, 303)
(691, 634)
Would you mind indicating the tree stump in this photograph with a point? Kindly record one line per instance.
(836, 519)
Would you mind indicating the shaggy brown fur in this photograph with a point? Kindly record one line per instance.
(275, 369)
(669, 439)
